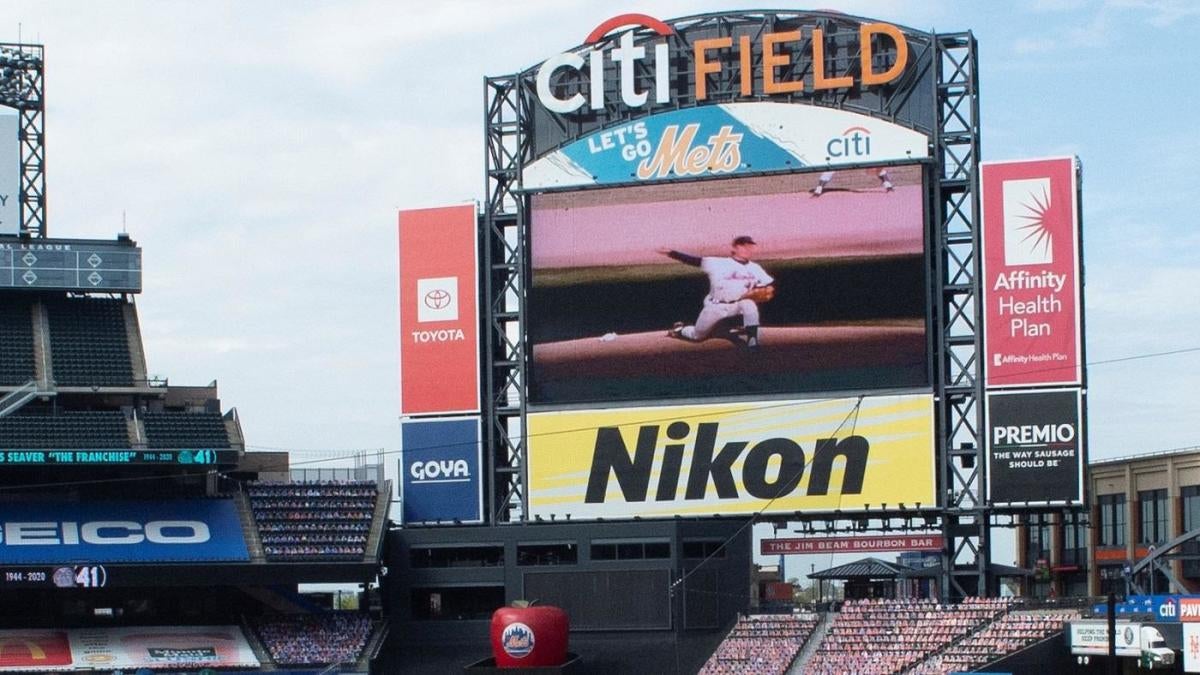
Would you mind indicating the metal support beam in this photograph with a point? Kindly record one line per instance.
(958, 321)
(504, 246)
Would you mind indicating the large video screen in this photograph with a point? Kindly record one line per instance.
(777, 284)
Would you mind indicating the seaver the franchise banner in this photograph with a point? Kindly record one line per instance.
(1035, 446)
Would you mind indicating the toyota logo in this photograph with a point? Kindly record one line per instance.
(437, 299)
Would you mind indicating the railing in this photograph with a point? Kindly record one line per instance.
(14, 400)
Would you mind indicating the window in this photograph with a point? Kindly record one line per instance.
(456, 603)
(547, 554)
(1037, 542)
(1153, 522)
(704, 549)
(1112, 520)
(456, 556)
(1190, 494)
(630, 550)
(1074, 542)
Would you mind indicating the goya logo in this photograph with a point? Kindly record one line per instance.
(104, 532)
(854, 142)
(561, 85)
(440, 471)
(517, 640)
(772, 468)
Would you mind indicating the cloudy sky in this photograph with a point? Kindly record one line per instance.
(259, 152)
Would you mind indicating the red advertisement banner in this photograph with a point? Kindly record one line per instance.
(899, 542)
(1031, 272)
(439, 337)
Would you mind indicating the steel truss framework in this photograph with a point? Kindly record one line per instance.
(21, 88)
(962, 511)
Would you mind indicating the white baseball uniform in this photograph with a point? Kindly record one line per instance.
(728, 281)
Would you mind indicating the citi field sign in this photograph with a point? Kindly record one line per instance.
(576, 81)
(644, 100)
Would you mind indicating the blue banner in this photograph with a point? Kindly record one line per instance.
(440, 471)
(121, 531)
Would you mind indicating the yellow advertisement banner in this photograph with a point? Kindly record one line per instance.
(732, 458)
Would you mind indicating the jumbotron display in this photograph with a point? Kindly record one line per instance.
(745, 286)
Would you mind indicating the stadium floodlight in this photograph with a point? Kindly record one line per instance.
(21, 88)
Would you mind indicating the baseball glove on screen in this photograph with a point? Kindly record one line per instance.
(760, 294)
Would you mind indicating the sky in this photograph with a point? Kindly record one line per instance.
(259, 152)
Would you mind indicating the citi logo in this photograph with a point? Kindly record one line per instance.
(104, 533)
(440, 471)
(854, 142)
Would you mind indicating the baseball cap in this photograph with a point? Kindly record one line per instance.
(743, 240)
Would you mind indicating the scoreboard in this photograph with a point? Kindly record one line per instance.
(71, 265)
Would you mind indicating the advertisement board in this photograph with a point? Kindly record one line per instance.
(1031, 283)
(130, 647)
(441, 471)
(638, 293)
(732, 458)
(1035, 447)
(183, 530)
(439, 323)
(1191, 648)
(10, 174)
(724, 140)
(861, 544)
(1091, 637)
(634, 65)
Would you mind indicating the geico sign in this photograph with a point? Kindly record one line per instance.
(104, 532)
(611, 458)
(773, 50)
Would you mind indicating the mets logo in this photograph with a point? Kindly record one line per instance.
(517, 640)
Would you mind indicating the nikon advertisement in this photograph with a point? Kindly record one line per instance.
(1034, 447)
(731, 459)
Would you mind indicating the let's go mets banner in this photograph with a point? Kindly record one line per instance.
(732, 458)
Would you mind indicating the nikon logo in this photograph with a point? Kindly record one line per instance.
(632, 471)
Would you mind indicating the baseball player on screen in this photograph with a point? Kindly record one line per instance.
(736, 284)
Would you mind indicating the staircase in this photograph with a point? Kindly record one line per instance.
(17, 398)
(383, 502)
(250, 528)
(814, 641)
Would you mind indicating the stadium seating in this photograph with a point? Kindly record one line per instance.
(184, 430)
(313, 521)
(16, 341)
(761, 644)
(1008, 634)
(99, 430)
(314, 639)
(873, 637)
(88, 343)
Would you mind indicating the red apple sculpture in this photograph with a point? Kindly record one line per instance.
(527, 636)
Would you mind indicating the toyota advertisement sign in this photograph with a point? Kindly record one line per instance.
(439, 336)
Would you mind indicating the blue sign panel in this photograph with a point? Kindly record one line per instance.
(121, 531)
(440, 471)
(1163, 608)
